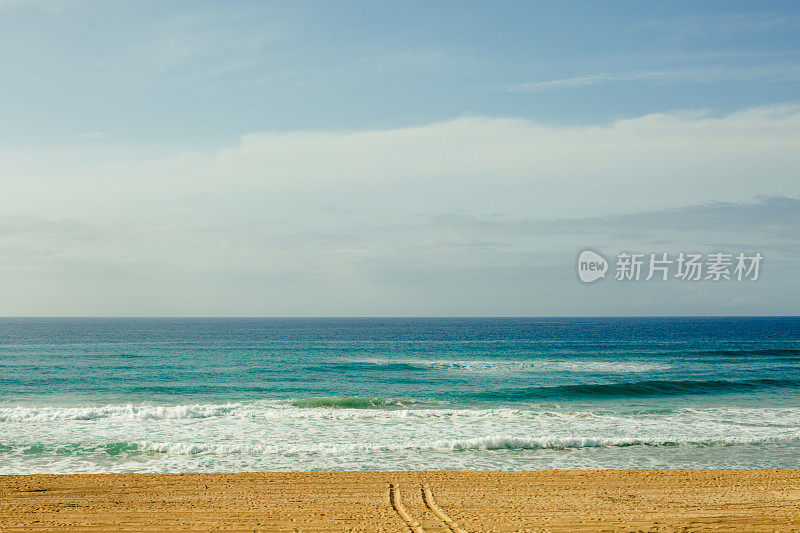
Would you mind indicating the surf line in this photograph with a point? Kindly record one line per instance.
(430, 503)
(397, 505)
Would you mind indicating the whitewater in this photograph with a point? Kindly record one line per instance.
(160, 395)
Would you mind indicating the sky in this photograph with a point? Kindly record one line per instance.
(394, 158)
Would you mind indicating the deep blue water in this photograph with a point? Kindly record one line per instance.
(278, 394)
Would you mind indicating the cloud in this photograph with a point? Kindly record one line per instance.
(763, 223)
(445, 218)
(483, 164)
(705, 26)
(706, 74)
(479, 164)
(773, 213)
(96, 135)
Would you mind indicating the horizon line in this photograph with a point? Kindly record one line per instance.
(368, 317)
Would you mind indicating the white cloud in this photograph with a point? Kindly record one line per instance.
(480, 164)
(499, 165)
(718, 25)
(706, 74)
(316, 216)
(96, 135)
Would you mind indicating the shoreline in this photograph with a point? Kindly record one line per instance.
(439, 500)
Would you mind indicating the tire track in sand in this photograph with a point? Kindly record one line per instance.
(397, 505)
(430, 503)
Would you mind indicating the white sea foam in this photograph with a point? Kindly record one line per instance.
(124, 412)
(535, 365)
(560, 443)
(284, 410)
(275, 435)
(265, 410)
(481, 443)
(488, 443)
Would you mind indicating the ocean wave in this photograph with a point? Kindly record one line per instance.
(358, 408)
(352, 402)
(367, 365)
(770, 352)
(353, 408)
(475, 444)
(486, 443)
(127, 412)
(74, 448)
(639, 388)
(501, 365)
(562, 443)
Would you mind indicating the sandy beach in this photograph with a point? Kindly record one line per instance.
(435, 501)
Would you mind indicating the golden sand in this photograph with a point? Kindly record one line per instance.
(438, 501)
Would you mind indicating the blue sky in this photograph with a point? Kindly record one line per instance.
(390, 158)
(207, 72)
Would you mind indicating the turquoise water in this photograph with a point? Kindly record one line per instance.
(171, 395)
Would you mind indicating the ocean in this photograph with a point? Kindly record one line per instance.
(230, 395)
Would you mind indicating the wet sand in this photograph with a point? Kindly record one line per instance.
(437, 501)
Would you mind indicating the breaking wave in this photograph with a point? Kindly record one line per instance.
(477, 444)
(639, 388)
